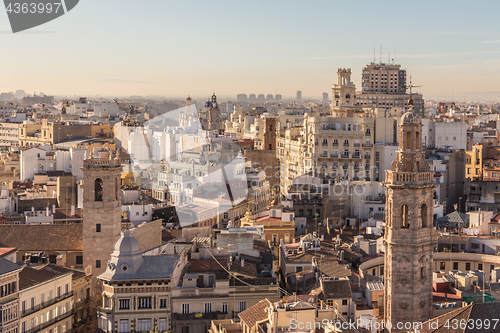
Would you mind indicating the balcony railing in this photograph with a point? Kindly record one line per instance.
(356, 145)
(356, 156)
(334, 155)
(46, 304)
(50, 322)
(345, 155)
(367, 157)
(367, 145)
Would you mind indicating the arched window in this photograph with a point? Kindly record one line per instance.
(423, 214)
(422, 275)
(98, 189)
(408, 140)
(417, 139)
(347, 96)
(405, 210)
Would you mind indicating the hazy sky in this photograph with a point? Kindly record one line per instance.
(180, 48)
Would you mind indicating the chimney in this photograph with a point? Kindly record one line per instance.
(242, 262)
(32, 208)
(53, 209)
(47, 211)
(72, 210)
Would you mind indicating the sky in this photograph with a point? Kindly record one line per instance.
(179, 48)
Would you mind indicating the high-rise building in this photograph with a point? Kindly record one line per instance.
(261, 98)
(385, 86)
(101, 211)
(279, 97)
(252, 98)
(269, 97)
(325, 97)
(299, 95)
(409, 239)
(241, 98)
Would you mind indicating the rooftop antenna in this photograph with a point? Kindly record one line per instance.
(374, 55)
(380, 54)
(389, 58)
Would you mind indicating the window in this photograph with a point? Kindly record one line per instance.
(474, 246)
(208, 307)
(98, 189)
(58, 291)
(480, 267)
(423, 214)
(144, 324)
(124, 304)
(344, 302)
(98, 264)
(242, 306)
(442, 265)
(163, 324)
(406, 212)
(124, 327)
(98, 227)
(185, 308)
(79, 260)
(144, 303)
(455, 266)
(467, 266)
(422, 276)
(224, 307)
(163, 303)
(298, 269)
(492, 267)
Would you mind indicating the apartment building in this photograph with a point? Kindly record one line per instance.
(384, 85)
(46, 299)
(9, 296)
(9, 135)
(136, 288)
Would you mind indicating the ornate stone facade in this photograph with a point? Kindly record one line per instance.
(101, 212)
(410, 236)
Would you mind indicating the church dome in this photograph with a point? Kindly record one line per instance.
(127, 244)
(409, 118)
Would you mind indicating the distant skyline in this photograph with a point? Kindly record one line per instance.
(167, 48)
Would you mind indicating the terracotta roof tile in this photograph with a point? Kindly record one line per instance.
(255, 313)
(46, 237)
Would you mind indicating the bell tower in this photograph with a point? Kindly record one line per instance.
(410, 236)
(101, 211)
(344, 92)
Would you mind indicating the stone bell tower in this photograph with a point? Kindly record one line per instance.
(409, 235)
(101, 211)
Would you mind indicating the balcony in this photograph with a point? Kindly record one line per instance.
(50, 322)
(345, 156)
(367, 156)
(335, 144)
(46, 304)
(334, 155)
(367, 145)
(356, 156)
(356, 145)
(346, 144)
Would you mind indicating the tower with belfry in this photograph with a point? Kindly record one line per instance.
(410, 236)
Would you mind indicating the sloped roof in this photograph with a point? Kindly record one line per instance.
(475, 312)
(255, 313)
(454, 217)
(335, 289)
(43, 237)
(7, 266)
(29, 277)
